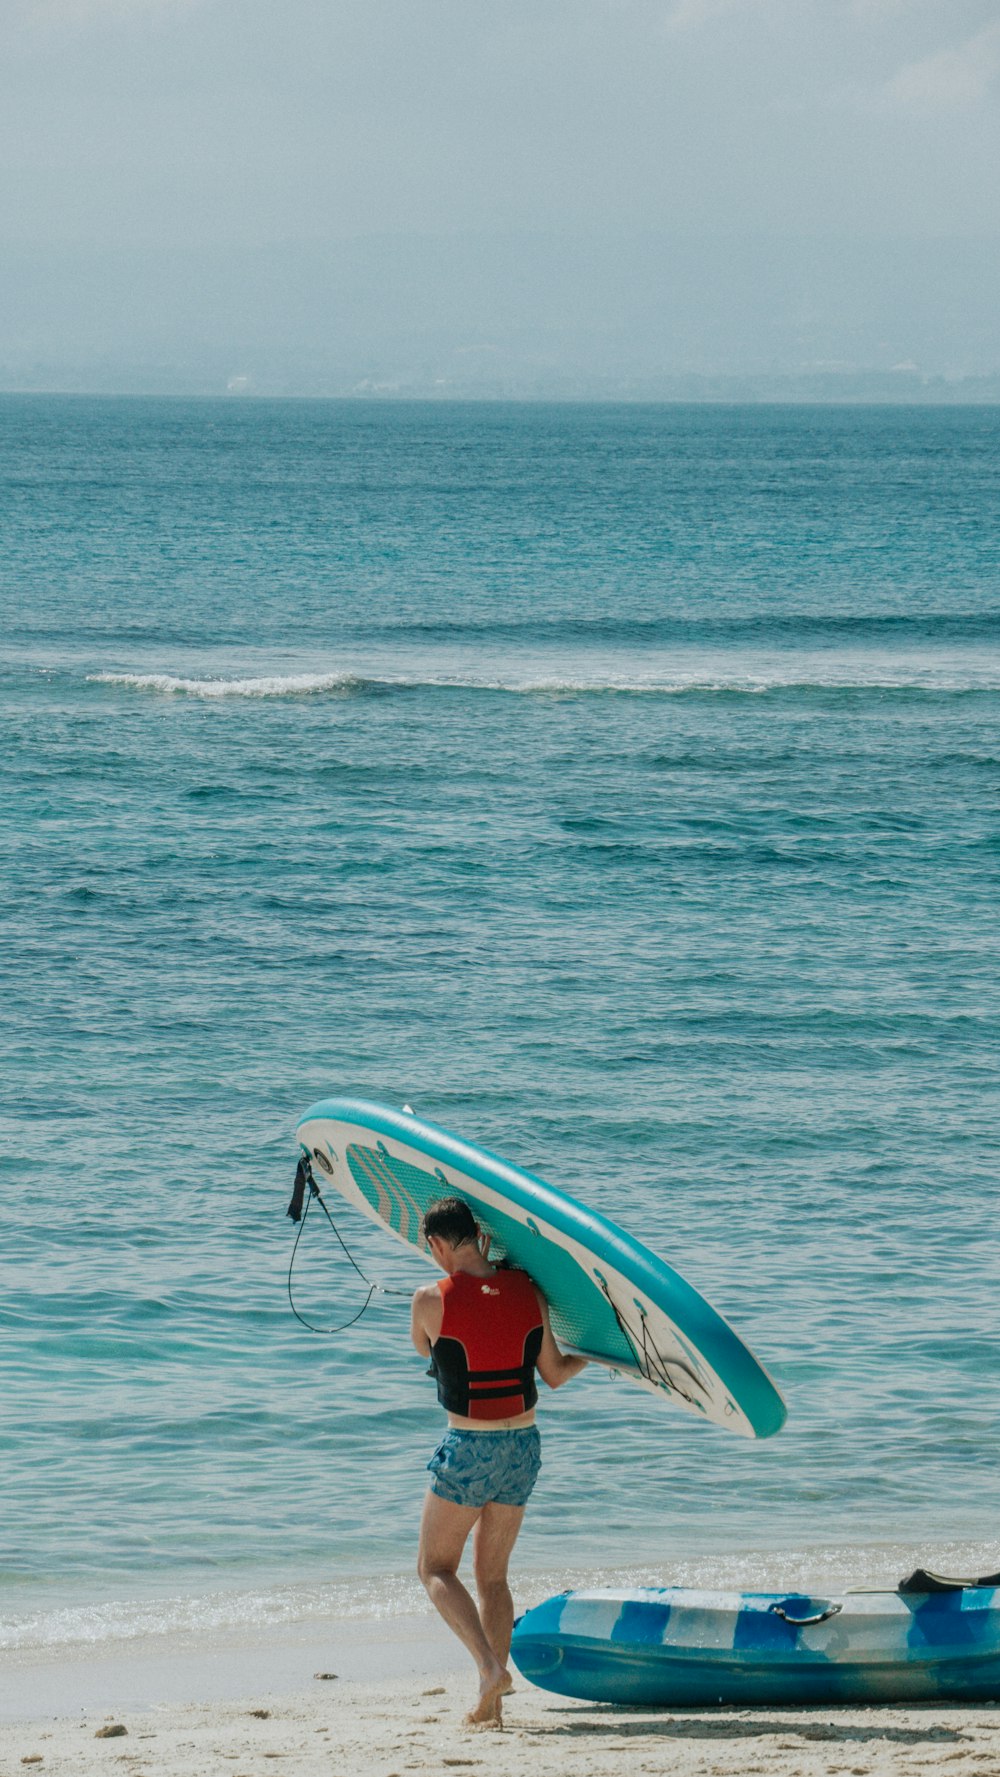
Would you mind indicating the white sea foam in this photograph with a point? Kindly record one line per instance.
(268, 685)
(790, 673)
(387, 1597)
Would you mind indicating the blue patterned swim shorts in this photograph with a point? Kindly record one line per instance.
(480, 1468)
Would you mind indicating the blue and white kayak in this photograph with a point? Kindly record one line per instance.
(684, 1649)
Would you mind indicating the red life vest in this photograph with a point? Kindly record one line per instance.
(485, 1354)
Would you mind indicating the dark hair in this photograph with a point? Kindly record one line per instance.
(451, 1219)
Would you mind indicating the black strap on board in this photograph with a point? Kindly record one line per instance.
(650, 1363)
(305, 1192)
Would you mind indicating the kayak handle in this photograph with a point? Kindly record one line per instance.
(832, 1610)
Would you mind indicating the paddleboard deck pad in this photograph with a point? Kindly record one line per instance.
(674, 1647)
(610, 1299)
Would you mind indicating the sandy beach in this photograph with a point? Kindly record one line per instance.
(398, 1703)
(400, 1725)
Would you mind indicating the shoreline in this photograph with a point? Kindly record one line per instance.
(72, 1617)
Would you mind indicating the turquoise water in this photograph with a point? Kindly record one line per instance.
(618, 787)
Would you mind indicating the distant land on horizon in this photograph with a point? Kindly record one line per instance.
(873, 388)
(544, 317)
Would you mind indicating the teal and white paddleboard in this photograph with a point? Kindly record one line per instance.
(609, 1297)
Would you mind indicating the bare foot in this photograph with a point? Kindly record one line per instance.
(492, 1687)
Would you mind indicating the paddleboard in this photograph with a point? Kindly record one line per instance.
(610, 1298)
(674, 1647)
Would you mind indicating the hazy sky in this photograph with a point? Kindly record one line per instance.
(151, 145)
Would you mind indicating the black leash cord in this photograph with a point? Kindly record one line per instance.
(373, 1288)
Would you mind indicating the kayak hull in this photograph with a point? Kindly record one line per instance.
(674, 1648)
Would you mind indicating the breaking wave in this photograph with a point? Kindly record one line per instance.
(268, 685)
(703, 678)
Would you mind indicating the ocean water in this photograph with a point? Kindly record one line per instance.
(617, 786)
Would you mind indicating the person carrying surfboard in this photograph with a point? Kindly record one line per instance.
(485, 1329)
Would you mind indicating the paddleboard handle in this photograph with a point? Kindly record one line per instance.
(821, 1616)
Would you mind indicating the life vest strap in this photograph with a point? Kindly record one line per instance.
(498, 1394)
(514, 1374)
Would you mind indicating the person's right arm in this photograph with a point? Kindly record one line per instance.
(426, 1314)
(554, 1366)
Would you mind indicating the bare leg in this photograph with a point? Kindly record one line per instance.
(495, 1536)
(444, 1531)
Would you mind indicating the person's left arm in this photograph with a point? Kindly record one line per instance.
(554, 1366)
